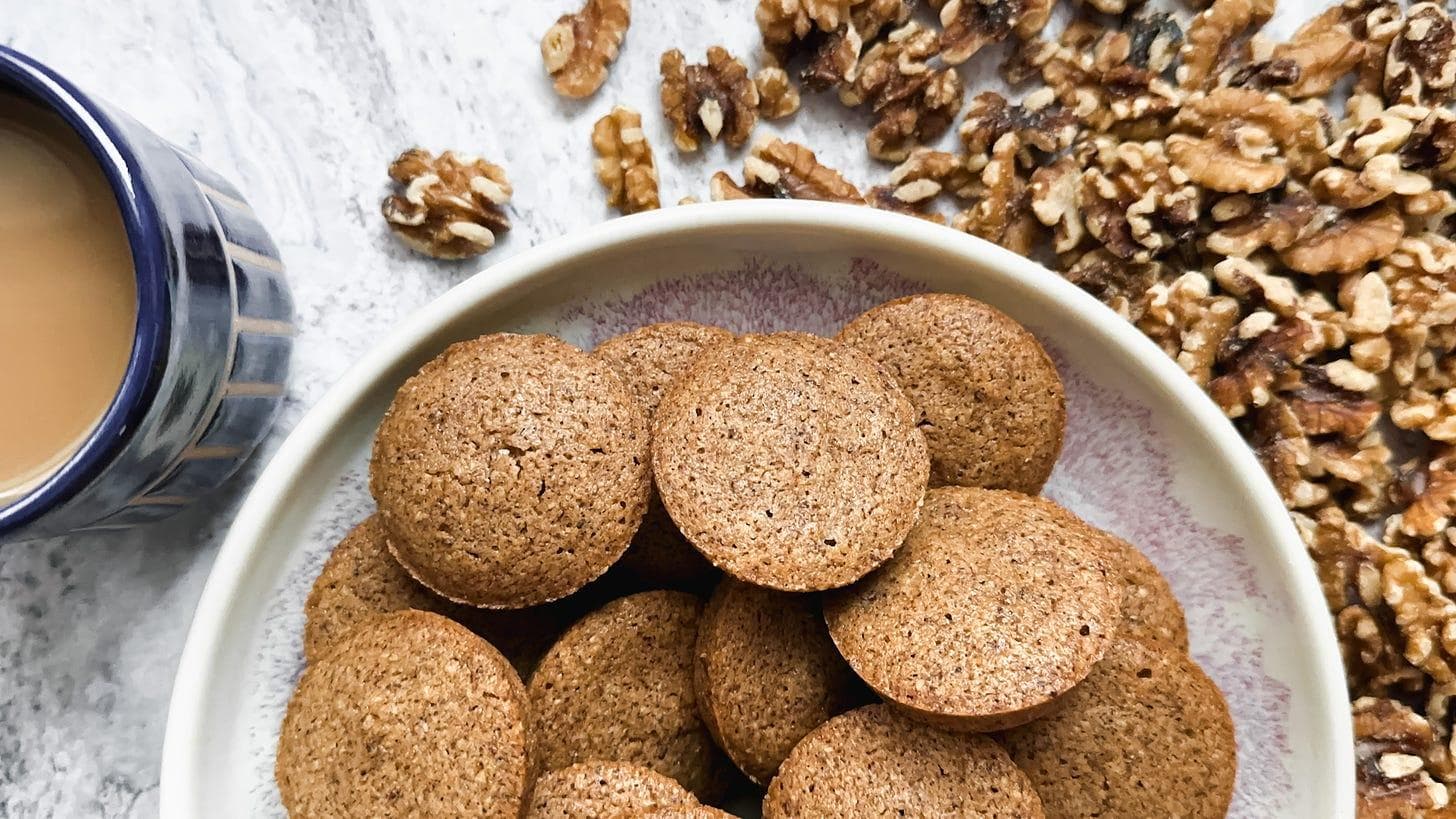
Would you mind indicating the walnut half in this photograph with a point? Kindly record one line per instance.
(452, 206)
(776, 169)
(716, 99)
(579, 47)
(624, 164)
(970, 25)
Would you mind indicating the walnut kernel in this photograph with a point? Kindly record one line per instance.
(452, 206)
(578, 49)
(776, 169)
(624, 165)
(777, 96)
(715, 99)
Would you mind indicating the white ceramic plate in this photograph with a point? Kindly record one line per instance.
(1148, 456)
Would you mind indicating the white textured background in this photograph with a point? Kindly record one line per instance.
(302, 103)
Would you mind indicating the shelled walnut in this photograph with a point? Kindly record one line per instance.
(1241, 140)
(1189, 321)
(1217, 38)
(1392, 744)
(452, 205)
(1108, 79)
(777, 96)
(714, 99)
(578, 49)
(1323, 51)
(776, 169)
(1421, 66)
(1002, 211)
(831, 54)
(970, 25)
(1038, 122)
(913, 102)
(916, 198)
(624, 161)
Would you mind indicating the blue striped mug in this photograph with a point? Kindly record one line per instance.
(214, 331)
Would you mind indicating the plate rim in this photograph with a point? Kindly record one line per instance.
(220, 592)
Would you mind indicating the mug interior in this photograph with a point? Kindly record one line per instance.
(122, 166)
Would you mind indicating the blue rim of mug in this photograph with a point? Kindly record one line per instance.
(123, 169)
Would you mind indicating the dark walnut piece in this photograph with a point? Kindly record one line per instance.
(1117, 283)
(1248, 223)
(776, 169)
(717, 99)
(579, 47)
(913, 102)
(1216, 39)
(1111, 80)
(1002, 210)
(970, 25)
(452, 206)
(1420, 68)
(1392, 744)
(1135, 201)
(624, 161)
(1038, 122)
(915, 198)
(917, 183)
(829, 55)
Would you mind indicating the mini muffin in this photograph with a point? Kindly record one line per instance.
(767, 674)
(1149, 609)
(619, 686)
(790, 461)
(988, 397)
(352, 744)
(1146, 734)
(997, 604)
(684, 812)
(511, 471)
(873, 762)
(648, 359)
(603, 790)
(361, 580)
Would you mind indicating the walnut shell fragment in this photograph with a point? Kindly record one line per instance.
(453, 205)
(578, 49)
(715, 99)
(624, 161)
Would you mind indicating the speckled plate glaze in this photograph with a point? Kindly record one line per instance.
(1147, 456)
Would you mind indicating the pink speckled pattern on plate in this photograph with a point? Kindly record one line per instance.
(1115, 470)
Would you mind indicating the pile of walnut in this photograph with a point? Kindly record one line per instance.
(1276, 216)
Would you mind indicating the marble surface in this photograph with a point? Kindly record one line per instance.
(302, 103)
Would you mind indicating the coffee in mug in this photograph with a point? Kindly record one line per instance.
(68, 302)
